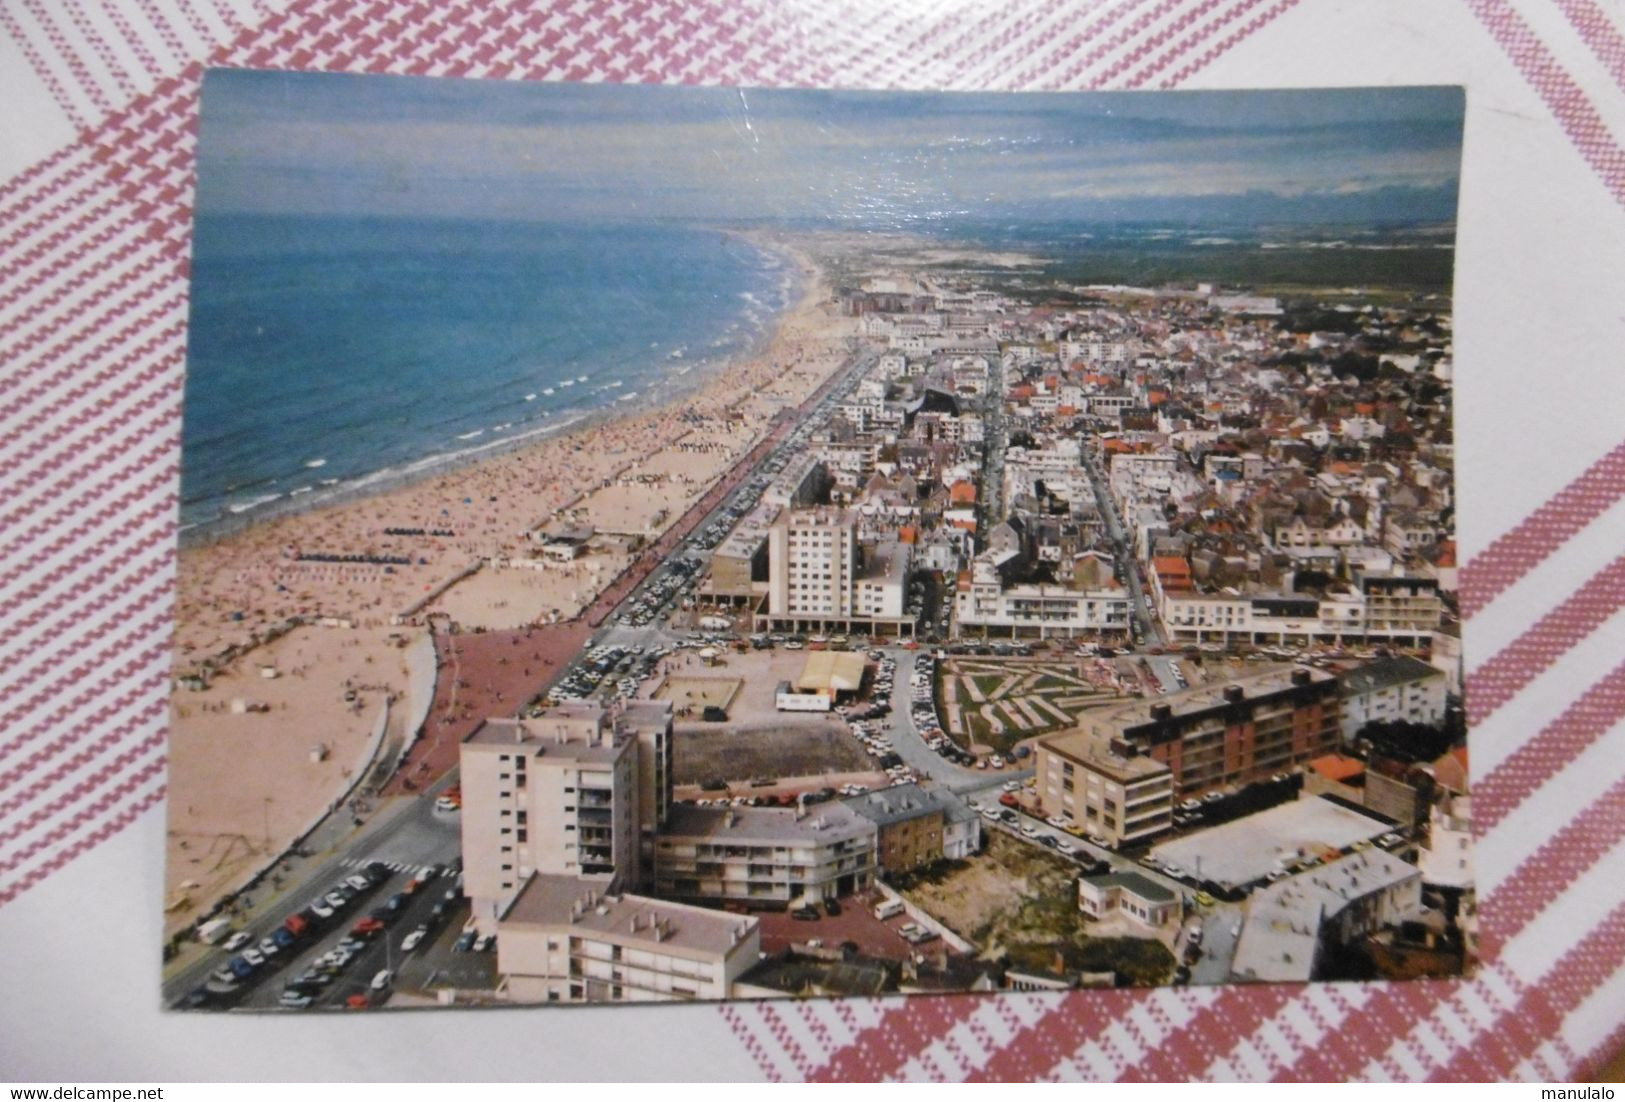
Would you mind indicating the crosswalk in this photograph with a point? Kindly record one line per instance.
(393, 866)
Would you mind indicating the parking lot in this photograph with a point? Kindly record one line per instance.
(353, 944)
(856, 924)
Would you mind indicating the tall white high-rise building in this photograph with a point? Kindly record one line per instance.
(557, 794)
(812, 562)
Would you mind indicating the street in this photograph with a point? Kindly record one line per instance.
(1124, 551)
(410, 837)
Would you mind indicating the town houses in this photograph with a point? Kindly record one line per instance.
(1181, 558)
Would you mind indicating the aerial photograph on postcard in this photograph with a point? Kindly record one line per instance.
(675, 543)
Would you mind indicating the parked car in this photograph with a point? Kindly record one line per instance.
(914, 933)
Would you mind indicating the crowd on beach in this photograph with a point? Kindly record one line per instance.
(427, 531)
(346, 572)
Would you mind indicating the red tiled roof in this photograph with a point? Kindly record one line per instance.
(1335, 767)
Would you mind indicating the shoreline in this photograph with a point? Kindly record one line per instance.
(672, 444)
(278, 711)
(805, 276)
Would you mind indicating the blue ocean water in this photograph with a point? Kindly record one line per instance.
(326, 351)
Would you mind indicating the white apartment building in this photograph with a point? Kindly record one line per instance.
(1392, 689)
(1292, 922)
(1381, 608)
(1447, 858)
(1105, 786)
(1099, 350)
(882, 581)
(801, 482)
(567, 939)
(1109, 405)
(773, 856)
(1055, 457)
(1039, 609)
(1445, 656)
(1143, 468)
(557, 794)
(820, 577)
(812, 561)
(891, 365)
(649, 723)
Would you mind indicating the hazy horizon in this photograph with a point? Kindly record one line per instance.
(324, 144)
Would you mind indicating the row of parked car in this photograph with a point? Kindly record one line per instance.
(924, 710)
(252, 961)
(1011, 815)
(1218, 806)
(867, 726)
(878, 745)
(602, 662)
(675, 581)
(301, 991)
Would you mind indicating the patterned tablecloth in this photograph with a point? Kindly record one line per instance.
(96, 159)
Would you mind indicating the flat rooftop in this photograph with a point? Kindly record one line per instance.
(639, 713)
(1206, 700)
(1131, 881)
(1094, 751)
(582, 903)
(908, 801)
(1249, 849)
(825, 822)
(749, 533)
(1385, 673)
(556, 735)
(1279, 942)
(884, 562)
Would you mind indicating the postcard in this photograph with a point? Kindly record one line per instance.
(674, 543)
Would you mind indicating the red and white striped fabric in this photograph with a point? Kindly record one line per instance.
(96, 158)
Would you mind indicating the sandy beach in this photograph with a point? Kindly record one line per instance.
(279, 734)
(244, 782)
(630, 470)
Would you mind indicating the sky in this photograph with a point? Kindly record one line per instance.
(316, 144)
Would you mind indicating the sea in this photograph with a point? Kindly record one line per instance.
(330, 355)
